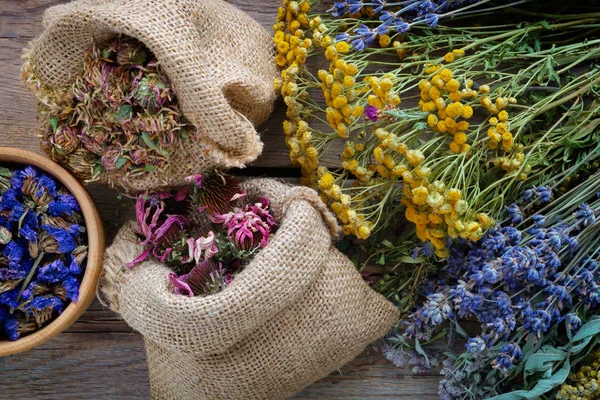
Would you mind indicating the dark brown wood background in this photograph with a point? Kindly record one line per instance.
(100, 357)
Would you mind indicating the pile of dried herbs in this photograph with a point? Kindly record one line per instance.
(119, 118)
(42, 250)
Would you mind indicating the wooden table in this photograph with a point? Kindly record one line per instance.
(100, 356)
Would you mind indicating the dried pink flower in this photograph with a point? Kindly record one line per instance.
(249, 227)
(201, 249)
(157, 228)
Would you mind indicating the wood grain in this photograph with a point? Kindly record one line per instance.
(99, 356)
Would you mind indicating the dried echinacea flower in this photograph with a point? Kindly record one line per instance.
(119, 119)
(204, 279)
(42, 250)
(214, 191)
(200, 235)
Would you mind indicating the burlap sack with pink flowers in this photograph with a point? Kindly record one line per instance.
(219, 60)
(296, 313)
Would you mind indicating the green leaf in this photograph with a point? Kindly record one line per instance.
(460, 330)
(5, 172)
(381, 260)
(420, 350)
(54, 123)
(543, 361)
(387, 243)
(124, 113)
(149, 168)
(543, 386)
(410, 260)
(585, 334)
(150, 143)
(120, 162)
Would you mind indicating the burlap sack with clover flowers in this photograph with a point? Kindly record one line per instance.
(218, 59)
(295, 314)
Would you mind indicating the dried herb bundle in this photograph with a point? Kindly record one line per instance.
(118, 120)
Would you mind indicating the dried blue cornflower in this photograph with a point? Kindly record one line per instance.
(42, 247)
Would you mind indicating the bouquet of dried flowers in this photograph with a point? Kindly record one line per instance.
(119, 119)
(530, 283)
(43, 250)
(199, 233)
(486, 107)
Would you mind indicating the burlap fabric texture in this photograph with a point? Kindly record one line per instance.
(297, 312)
(219, 60)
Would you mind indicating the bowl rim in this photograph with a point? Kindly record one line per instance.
(96, 245)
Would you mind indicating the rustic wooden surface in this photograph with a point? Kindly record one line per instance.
(100, 357)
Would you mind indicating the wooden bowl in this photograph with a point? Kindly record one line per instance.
(96, 242)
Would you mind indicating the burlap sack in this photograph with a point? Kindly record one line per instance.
(296, 313)
(219, 60)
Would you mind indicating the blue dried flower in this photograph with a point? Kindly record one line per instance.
(514, 214)
(45, 304)
(28, 233)
(53, 272)
(65, 204)
(63, 238)
(34, 197)
(71, 286)
(11, 327)
(7, 274)
(14, 253)
(476, 345)
(9, 298)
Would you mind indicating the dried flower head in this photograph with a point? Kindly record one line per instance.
(214, 191)
(249, 227)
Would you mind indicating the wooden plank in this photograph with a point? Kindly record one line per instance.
(113, 365)
(23, 18)
(76, 366)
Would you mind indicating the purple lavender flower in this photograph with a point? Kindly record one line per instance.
(585, 214)
(476, 345)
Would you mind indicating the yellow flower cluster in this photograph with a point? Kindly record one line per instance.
(400, 50)
(292, 50)
(349, 163)
(382, 96)
(585, 383)
(513, 166)
(441, 96)
(352, 222)
(385, 153)
(494, 107)
(438, 211)
(292, 47)
(338, 89)
(498, 132)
